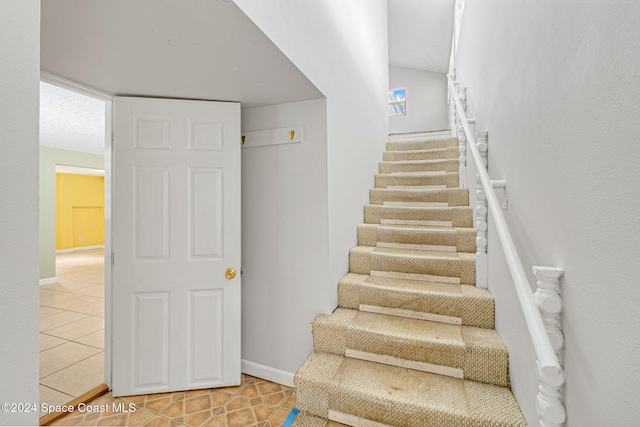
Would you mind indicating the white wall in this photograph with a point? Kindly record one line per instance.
(557, 86)
(426, 100)
(341, 47)
(285, 234)
(19, 100)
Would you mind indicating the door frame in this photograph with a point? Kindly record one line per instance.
(108, 202)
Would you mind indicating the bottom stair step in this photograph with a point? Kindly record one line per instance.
(306, 420)
(399, 396)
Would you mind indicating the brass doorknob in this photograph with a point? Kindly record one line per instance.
(230, 273)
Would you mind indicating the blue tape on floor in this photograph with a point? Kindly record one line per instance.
(291, 417)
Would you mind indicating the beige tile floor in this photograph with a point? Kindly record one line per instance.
(72, 328)
(255, 403)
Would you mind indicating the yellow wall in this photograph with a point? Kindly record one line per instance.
(79, 211)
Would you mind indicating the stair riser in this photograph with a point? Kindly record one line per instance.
(463, 240)
(313, 396)
(445, 153)
(441, 356)
(422, 145)
(451, 196)
(451, 180)
(473, 310)
(457, 269)
(456, 216)
(426, 166)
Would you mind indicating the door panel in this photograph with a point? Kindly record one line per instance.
(176, 230)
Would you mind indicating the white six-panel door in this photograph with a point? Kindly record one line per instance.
(176, 234)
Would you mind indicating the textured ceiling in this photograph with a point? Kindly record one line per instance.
(420, 33)
(71, 121)
(192, 49)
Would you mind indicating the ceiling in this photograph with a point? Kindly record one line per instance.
(192, 49)
(420, 33)
(71, 121)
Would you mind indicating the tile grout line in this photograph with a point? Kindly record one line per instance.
(54, 389)
(77, 286)
(288, 393)
(221, 410)
(66, 367)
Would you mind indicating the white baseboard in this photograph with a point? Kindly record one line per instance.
(81, 248)
(48, 281)
(267, 373)
(419, 136)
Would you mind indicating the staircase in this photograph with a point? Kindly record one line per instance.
(412, 342)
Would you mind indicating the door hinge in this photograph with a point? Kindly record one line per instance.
(113, 258)
(113, 140)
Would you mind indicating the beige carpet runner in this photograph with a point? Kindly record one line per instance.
(412, 342)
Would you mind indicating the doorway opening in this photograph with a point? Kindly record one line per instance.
(74, 237)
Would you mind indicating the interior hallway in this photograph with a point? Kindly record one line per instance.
(72, 328)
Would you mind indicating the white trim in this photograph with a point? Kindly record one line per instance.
(48, 281)
(419, 174)
(78, 170)
(108, 261)
(386, 359)
(416, 222)
(416, 204)
(416, 246)
(267, 373)
(80, 248)
(415, 276)
(417, 187)
(419, 136)
(278, 136)
(411, 314)
(75, 87)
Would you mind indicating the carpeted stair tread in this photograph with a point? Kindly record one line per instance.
(454, 216)
(450, 267)
(447, 302)
(448, 165)
(478, 354)
(422, 145)
(426, 154)
(420, 236)
(444, 180)
(445, 197)
(399, 396)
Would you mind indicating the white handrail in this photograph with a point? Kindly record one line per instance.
(545, 353)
